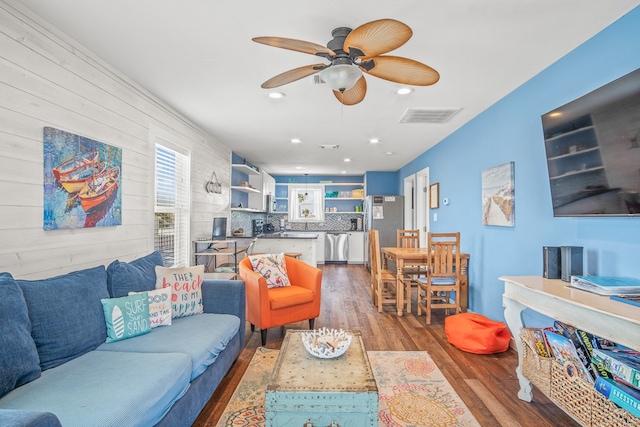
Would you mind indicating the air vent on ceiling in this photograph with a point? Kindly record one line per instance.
(317, 80)
(429, 115)
(329, 146)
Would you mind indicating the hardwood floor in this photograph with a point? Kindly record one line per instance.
(487, 383)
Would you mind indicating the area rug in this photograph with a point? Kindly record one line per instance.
(412, 392)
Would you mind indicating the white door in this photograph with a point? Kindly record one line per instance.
(409, 202)
(422, 205)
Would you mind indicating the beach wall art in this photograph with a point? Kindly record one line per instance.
(82, 182)
(498, 195)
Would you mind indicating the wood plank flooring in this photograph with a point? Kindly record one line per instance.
(487, 383)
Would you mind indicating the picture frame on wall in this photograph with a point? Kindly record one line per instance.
(434, 196)
(498, 195)
(82, 182)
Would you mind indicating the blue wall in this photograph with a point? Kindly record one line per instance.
(511, 130)
(382, 184)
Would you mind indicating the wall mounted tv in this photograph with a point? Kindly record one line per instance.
(593, 151)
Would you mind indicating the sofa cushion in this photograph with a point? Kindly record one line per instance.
(202, 337)
(135, 276)
(107, 389)
(126, 317)
(272, 267)
(186, 288)
(19, 361)
(159, 307)
(66, 314)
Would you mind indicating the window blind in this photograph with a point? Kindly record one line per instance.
(172, 214)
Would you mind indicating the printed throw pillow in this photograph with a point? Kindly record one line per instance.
(272, 267)
(186, 288)
(159, 307)
(126, 317)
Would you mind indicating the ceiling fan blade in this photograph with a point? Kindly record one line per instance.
(292, 75)
(377, 37)
(355, 94)
(296, 45)
(403, 70)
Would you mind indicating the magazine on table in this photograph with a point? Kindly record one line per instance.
(607, 285)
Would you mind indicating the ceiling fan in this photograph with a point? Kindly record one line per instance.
(352, 53)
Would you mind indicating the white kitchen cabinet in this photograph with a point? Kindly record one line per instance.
(267, 186)
(355, 252)
(319, 244)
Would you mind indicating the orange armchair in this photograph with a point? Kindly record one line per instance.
(267, 308)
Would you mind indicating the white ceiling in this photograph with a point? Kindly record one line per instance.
(198, 57)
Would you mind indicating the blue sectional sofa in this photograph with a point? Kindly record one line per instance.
(57, 370)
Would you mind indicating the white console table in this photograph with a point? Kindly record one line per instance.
(597, 314)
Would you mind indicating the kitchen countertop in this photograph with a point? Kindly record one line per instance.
(289, 235)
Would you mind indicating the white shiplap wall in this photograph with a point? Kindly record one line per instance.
(48, 79)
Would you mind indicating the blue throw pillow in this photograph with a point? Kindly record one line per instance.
(19, 361)
(126, 317)
(135, 276)
(66, 314)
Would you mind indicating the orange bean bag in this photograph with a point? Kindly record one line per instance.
(476, 333)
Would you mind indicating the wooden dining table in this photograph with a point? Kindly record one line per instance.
(415, 256)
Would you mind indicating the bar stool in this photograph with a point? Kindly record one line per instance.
(295, 255)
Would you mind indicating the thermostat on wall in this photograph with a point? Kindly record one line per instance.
(445, 201)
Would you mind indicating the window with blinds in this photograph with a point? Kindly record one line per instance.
(171, 231)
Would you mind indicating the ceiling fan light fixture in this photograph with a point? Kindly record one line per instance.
(341, 77)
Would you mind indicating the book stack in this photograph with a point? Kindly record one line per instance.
(537, 341)
(604, 285)
(623, 388)
(567, 356)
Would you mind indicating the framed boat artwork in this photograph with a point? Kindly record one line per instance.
(82, 182)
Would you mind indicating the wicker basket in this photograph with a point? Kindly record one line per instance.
(573, 394)
(605, 413)
(536, 369)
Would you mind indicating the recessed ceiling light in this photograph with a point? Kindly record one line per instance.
(276, 95)
(389, 153)
(404, 91)
(374, 141)
(299, 167)
(347, 159)
(343, 172)
(296, 140)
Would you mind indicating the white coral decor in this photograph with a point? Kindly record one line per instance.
(326, 343)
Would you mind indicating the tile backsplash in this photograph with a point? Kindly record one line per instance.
(333, 222)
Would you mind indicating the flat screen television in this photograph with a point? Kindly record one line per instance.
(593, 151)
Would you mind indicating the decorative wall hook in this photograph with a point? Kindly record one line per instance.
(213, 186)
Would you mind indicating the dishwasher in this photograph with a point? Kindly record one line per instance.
(336, 247)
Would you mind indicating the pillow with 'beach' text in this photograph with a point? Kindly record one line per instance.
(186, 288)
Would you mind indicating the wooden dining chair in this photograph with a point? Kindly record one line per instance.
(440, 289)
(383, 282)
(410, 272)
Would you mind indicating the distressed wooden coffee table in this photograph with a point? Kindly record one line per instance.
(304, 388)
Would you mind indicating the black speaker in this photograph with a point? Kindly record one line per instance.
(571, 260)
(551, 262)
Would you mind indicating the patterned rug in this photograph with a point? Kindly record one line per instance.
(412, 392)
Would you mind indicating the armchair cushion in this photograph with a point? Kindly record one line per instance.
(273, 268)
(289, 296)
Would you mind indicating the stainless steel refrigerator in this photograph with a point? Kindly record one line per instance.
(385, 214)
